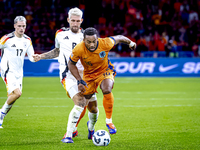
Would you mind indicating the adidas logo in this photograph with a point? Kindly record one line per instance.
(66, 37)
(13, 45)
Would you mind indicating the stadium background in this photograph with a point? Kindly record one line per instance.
(149, 113)
(161, 28)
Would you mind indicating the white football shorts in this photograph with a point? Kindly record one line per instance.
(70, 83)
(12, 82)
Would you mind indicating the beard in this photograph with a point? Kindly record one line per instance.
(74, 29)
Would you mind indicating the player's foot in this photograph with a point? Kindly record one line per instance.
(90, 132)
(67, 140)
(2, 115)
(75, 133)
(111, 128)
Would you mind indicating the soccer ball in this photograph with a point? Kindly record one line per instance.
(101, 138)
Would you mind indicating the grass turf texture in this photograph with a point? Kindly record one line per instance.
(149, 113)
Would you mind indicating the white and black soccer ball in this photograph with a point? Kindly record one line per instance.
(101, 138)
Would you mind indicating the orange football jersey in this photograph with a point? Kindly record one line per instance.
(95, 63)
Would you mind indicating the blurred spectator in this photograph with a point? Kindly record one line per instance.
(28, 13)
(156, 17)
(141, 45)
(173, 44)
(177, 5)
(182, 45)
(195, 49)
(193, 15)
(156, 25)
(161, 43)
(184, 6)
(119, 30)
(152, 44)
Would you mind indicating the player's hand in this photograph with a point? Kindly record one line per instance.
(36, 57)
(81, 88)
(132, 45)
(81, 85)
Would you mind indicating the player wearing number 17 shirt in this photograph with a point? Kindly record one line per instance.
(14, 47)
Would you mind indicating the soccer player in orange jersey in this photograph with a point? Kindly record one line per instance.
(98, 71)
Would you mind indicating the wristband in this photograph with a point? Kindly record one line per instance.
(132, 44)
(82, 82)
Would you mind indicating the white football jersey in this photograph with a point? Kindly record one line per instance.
(66, 40)
(13, 51)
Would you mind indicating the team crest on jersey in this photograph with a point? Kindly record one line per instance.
(25, 44)
(102, 54)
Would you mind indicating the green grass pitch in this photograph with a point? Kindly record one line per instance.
(149, 113)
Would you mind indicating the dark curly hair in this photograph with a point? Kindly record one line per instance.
(90, 31)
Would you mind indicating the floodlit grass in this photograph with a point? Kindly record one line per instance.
(149, 113)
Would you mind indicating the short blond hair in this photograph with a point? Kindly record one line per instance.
(75, 11)
(19, 18)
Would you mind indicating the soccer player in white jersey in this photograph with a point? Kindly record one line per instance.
(65, 40)
(14, 46)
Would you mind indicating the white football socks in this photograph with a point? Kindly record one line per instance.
(6, 108)
(73, 119)
(92, 120)
(108, 120)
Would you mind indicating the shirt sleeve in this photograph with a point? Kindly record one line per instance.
(75, 55)
(109, 43)
(3, 42)
(30, 52)
(57, 45)
(112, 40)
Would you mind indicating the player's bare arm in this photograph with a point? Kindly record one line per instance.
(74, 70)
(125, 40)
(48, 55)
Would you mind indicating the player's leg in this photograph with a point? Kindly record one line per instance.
(93, 98)
(14, 88)
(68, 81)
(75, 133)
(93, 114)
(108, 102)
(71, 90)
(79, 104)
(12, 97)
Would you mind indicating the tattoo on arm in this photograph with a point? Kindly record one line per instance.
(51, 54)
(122, 39)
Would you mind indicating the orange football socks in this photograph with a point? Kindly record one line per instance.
(108, 102)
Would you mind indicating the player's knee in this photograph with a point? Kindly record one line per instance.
(107, 90)
(79, 100)
(18, 94)
(93, 109)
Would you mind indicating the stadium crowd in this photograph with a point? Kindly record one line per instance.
(167, 26)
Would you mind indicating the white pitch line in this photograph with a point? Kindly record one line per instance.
(160, 105)
(42, 106)
(117, 98)
(127, 92)
(129, 106)
(38, 98)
